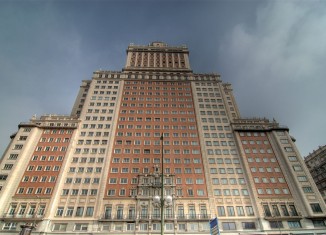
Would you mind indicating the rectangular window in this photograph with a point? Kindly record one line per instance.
(316, 208)
(276, 224)
(250, 211)
(221, 210)
(319, 223)
(248, 225)
(230, 210)
(307, 189)
(302, 178)
(81, 227)
(79, 211)
(228, 226)
(240, 211)
(89, 211)
(60, 227)
(59, 211)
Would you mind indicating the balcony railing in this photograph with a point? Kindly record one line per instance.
(193, 217)
(144, 216)
(22, 217)
(108, 217)
(197, 217)
(270, 216)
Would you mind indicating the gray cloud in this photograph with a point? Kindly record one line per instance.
(278, 66)
(271, 51)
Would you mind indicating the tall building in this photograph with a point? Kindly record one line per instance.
(316, 163)
(100, 170)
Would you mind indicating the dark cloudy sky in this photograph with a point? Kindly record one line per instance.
(272, 52)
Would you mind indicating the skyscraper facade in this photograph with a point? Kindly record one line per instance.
(156, 143)
(316, 163)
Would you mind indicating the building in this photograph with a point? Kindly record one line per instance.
(316, 163)
(99, 170)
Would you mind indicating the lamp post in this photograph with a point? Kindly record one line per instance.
(161, 201)
(162, 188)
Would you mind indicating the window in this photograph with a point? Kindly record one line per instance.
(307, 189)
(79, 211)
(248, 225)
(123, 180)
(143, 226)
(10, 226)
(250, 210)
(240, 211)
(130, 226)
(319, 223)
(228, 226)
(316, 208)
(288, 149)
(177, 170)
(70, 211)
(59, 227)
(12, 209)
(297, 168)
(285, 210)
(293, 158)
(267, 211)
(111, 192)
(293, 210)
(169, 226)
(59, 211)
(89, 211)
(8, 166)
(213, 170)
(14, 156)
(276, 212)
(294, 224)
(81, 227)
(276, 224)
(302, 178)
(230, 210)
(221, 210)
(122, 192)
(199, 181)
(18, 146)
(200, 192)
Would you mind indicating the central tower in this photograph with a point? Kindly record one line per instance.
(157, 56)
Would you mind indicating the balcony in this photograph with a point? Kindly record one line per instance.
(144, 217)
(22, 217)
(193, 217)
(271, 217)
(107, 217)
(201, 217)
(156, 184)
(166, 217)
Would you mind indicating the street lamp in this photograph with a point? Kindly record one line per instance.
(161, 200)
(162, 188)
